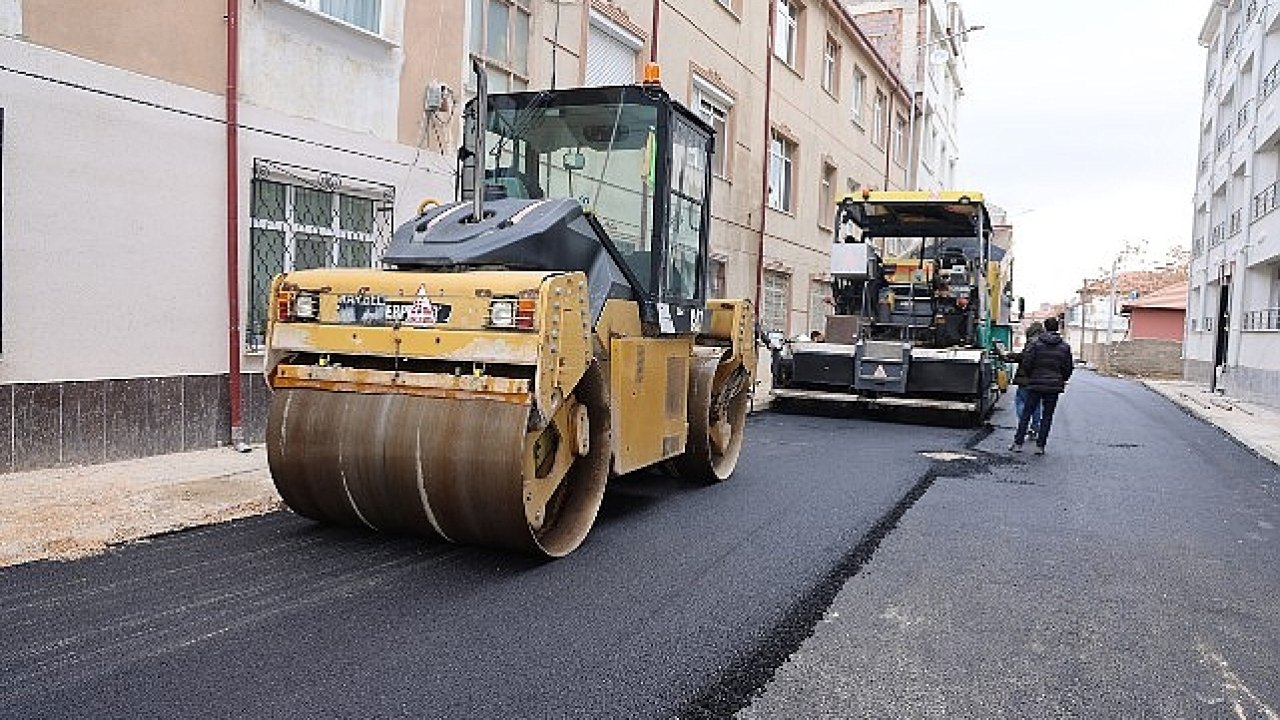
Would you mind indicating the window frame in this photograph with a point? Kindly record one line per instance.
(858, 89)
(827, 193)
(782, 201)
(879, 110)
(511, 73)
(831, 66)
(898, 139)
(787, 30)
(704, 92)
(316, 7)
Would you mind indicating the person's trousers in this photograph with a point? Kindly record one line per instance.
(1020, 406)
(1035, 401)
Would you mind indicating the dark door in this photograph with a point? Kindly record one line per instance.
(1223, 327)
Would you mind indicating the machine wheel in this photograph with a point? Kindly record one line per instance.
(468, 470)
(717, 417)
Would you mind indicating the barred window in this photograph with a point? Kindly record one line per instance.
(301, 219)
(775, 305)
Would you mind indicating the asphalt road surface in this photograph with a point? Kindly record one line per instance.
(906, 564)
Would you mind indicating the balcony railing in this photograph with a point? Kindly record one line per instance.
(1236, 222)
(1197, 246)
(1265, 319)
(1204, 165)
(1242, 115)
(1250, 11)
(1232, 43)
(1213, 80)
(1224, 139)
(1218, 234)
(1206, 324)
(1270, 79)
(1264, 202)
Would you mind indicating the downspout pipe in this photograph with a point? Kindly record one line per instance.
(653, 43)
(768, 139)
(235, 416)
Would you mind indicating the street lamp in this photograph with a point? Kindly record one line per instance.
(914, 160)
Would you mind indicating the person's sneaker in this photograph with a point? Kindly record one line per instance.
(1032, 433)
(1016, 447)
(1039, 449)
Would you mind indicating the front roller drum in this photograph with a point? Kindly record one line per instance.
(468, 470)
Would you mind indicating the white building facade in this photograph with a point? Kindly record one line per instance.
(1232, 340)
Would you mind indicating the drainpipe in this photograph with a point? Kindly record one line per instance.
(888, 141)
(768, 138)
(233, 229)
(653, 43)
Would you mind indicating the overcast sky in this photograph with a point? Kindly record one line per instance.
(1079, 118)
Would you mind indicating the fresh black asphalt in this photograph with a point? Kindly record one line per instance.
(693, 601)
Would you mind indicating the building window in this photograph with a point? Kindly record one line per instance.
(775, 301)
(364, 14)
(826, 195)
(714, 106)
(786, 36)
(613, 53)
(877, 119)
(900, 140)
(500, 39)
(716, 278)
(831, 66)
(782, 153)
(304, 219)
(821, 305)
(858, 89)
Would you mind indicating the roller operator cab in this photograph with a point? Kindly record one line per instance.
(922, 303)
(524, 343)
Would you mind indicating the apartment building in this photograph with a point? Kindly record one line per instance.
(161, 160)
(925, 41)
(1233, 303)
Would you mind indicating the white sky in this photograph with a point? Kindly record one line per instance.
(1079, 118)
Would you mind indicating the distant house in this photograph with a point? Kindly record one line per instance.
(1158, 316)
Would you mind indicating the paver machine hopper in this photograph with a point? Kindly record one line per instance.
(922, 301)
(546, 331)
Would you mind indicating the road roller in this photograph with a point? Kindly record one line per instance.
(545, 331)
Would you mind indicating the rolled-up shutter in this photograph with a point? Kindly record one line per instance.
(611, 53)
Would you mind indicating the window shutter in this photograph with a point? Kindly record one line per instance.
(610, 60)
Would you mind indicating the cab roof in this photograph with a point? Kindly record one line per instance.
(917, 213)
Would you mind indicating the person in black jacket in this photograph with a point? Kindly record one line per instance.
(1020, 380)
(1049, 364)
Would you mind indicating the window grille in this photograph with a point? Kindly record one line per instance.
(301, 219)
(775, 304)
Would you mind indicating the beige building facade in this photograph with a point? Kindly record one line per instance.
(139, 228)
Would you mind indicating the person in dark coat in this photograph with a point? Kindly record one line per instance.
(1020, 379)
(1049, 365)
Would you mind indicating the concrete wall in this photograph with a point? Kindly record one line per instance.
(1146, 358)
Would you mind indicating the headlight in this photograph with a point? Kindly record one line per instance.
(502, 313)
(306, 306)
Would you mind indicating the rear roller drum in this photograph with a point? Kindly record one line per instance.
(717, 417)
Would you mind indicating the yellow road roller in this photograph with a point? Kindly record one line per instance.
(546, 331)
